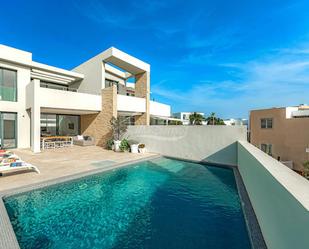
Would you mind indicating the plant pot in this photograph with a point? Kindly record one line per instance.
(142, 150)
(134, 148)
(117, 145)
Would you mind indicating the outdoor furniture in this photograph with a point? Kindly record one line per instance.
(56, 142)
(83, 140)
(20, 167)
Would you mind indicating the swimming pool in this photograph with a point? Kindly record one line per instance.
(160, 203)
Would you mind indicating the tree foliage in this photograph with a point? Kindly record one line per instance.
(196, 119)
(213, 120)
(119, 128)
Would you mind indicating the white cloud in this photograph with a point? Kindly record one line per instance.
(263, 83)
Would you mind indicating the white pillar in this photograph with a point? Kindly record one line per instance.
(35, 117)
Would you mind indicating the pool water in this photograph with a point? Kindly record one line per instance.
(161, 203)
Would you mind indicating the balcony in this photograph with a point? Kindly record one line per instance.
(130, 104)
(48, 99)
(138, 105)
(59, 99)
(159, 109)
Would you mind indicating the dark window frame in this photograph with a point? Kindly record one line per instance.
(266, 123)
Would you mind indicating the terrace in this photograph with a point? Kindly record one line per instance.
(65, 162)
(279, 197)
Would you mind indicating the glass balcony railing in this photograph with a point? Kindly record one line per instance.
(57, 87)
(8, 93)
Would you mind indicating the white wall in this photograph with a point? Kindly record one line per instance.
(130, 103)
(51, 98)
(23, 119)
(159, 109)
(16, 55)
(279, 196)
(215, 144)
(94, 76)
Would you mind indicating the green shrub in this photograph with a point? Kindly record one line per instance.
(109, 144)
(124, 145)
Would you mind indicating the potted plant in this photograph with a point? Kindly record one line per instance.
(119, 128)
(110, 144)
(141, 148)
(133, 146)
(124, 145)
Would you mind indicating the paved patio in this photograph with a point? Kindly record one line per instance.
(61, 162)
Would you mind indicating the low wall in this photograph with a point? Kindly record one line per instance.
(279, 196)
(216, 144)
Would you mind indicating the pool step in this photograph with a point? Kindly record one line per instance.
(171, 165)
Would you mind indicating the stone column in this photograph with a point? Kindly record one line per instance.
(142, 90)
(35, 117)
(98, 125)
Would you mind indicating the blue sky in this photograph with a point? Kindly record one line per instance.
(213, 56)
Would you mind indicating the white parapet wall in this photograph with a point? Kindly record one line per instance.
(279, 196)
(216, 144)
(159, 109)
(130, 103)
(51, 98)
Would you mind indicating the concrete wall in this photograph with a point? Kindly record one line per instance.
(279, 196)
(215, 144)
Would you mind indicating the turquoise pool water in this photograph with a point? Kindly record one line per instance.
(161, 203)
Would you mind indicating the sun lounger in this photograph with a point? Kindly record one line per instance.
(16, 167)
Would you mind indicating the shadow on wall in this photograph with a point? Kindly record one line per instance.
(199, 143)
(226, 155)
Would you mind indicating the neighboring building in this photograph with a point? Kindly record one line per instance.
(38, 99)
(283, 133)
(236, 121)
(184, 117)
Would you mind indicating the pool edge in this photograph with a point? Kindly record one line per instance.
(255, 234)
(8, 238)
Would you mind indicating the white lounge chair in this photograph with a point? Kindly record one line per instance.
(15, 169)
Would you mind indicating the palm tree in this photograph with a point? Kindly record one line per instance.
(196, 119)
(213, 120)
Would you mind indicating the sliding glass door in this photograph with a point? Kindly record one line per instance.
(8, 130)
(59, 125)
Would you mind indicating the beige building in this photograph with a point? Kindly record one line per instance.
(283, 133)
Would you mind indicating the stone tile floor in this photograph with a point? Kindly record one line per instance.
(55, 163)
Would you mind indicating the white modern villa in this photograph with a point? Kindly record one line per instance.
(38, 100)
(184, 117)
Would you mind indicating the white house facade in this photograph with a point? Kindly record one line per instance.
(38, 100)
(184, 117)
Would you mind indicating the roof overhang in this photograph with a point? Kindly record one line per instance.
(125, 61)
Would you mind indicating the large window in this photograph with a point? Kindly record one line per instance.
(8, 85)
(59, 125)
(267, 148)
(8, 125)
(266, 123)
